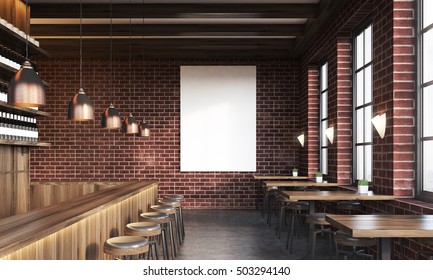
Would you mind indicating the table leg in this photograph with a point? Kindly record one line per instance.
(311, 231)
(385, 248)
(311, 207)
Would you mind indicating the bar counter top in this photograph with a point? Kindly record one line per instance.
(21, 230)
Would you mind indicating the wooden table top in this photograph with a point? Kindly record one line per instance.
(297, 184)
(334, 195)
(384, 226)
(279, 177)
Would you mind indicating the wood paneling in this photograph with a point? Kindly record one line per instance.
(14, 180)
(82, 225)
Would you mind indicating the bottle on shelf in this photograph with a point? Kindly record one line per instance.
(3, 93)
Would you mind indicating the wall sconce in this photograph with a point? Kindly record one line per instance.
(379, 123)
(330, 134)
(301, 139)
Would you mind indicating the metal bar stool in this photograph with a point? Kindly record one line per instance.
(126, 246)
(177, 220)
(180, 198)
(163, 220)
(170, 210)
(145, 229)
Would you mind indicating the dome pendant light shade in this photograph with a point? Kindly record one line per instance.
(80, 107)
(26, 88)
(111, 118)
(143, 129)
(130, 125)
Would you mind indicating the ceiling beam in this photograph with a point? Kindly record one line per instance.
(171, 30)
(175, 10)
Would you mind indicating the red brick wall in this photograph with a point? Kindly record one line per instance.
(86, 152)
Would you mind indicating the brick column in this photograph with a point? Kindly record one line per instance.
(312, 130)
(343, 139)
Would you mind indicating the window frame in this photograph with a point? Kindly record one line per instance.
(420, 85)
(322, 132)
(364, 105)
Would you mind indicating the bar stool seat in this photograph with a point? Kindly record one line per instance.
(175, 196)
(343, 239)
(167, 209)
(145, 229)
(126, 245)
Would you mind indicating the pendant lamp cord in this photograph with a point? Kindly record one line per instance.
(130, 41)
(81, 44)
(27, 29)
(111, 52)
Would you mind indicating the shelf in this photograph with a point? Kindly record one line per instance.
(23, 111)
(18, 43)
(24, 143)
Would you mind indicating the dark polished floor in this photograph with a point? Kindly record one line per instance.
(239, 235)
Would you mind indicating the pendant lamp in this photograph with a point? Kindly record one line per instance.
(111, 117)
(130, 125)
(26, 88)
(80, 107)
(143, 129)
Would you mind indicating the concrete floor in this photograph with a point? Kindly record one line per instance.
(239, 235)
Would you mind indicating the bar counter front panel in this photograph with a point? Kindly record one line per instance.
(75, 229)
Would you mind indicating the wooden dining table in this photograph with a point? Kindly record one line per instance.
(384, 227)
(302, 183)
(313, 196)
(278, 177)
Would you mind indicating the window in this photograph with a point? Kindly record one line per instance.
(323, 118)
(425, 98)
(363, 104)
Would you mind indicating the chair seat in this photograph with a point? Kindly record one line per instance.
(317, 219)
(349, 205)
(126, 245)
(298, 206)
(344, 239)
(143, 229)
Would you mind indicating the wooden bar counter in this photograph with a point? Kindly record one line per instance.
(75, 229)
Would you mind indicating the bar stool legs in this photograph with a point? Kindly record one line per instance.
(148, 230)
(163, 220)
(179, 198)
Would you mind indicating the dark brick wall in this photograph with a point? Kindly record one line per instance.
(86, 152)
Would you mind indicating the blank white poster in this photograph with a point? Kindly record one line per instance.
(218, 118)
